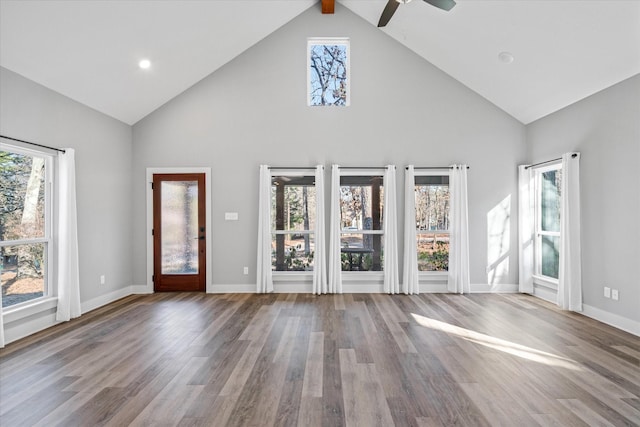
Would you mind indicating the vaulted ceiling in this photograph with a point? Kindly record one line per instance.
(562, 50)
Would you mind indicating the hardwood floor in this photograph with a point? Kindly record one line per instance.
(297, 359)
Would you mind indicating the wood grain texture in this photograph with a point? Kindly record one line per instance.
(191, 359)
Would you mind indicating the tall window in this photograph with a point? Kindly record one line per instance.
(293, 218)
(547, 218)
(432, 222)
(25, 218)
(361, 211)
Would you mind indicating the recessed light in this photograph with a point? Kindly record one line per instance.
(505, 57)
(144, 64)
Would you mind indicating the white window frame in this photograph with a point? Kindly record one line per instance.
(311, 233)
(539, 278)
(49, 291)
(364, 172)
(433, 275)
(314, 41)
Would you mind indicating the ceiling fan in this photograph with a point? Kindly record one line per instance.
(392, 5)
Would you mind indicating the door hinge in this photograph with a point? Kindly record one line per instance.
(152, 185)
(153, 232)
(153, 278)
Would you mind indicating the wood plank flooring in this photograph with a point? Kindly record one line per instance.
(191, 359)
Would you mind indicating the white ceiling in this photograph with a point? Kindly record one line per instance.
(88, 50)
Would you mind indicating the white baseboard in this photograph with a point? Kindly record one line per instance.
(623, 323)
(496, 288)
(17, 327)
(105, 299)
(29, 326)
(141, 289)
(546, 294)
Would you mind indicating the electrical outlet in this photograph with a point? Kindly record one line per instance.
(102, 280)
(607, 292)
(614, 294)
(245, 270)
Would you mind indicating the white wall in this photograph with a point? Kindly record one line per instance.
(253, 111)
(605, 129)
(103, 171)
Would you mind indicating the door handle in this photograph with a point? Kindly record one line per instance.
(199, 238)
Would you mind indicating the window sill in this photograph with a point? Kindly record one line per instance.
(13, 314)
(546, 282)
(292, 276)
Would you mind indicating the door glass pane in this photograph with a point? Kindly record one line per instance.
(22, 272)
(550, 200)
(179, 227)
(550, 256)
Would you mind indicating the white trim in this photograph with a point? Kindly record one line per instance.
(33, 307)
(29, 327)
(149, 194)
(497, 288)
(545, 293)
(105, 299)
(140, 290)
(611, 319)
(547, 282)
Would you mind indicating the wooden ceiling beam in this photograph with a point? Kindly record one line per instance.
(328, 6)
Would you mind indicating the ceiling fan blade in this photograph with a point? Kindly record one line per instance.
(388, 12)
(442, 4)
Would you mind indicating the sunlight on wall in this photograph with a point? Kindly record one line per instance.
(498, 235)
(499, 344)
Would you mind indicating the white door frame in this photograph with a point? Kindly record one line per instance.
(207, 180)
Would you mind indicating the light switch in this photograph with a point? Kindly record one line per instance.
(231, 216)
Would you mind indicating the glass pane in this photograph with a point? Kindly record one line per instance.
(328, 74)
(550, 256)
(292, 252)
(361, 252)
(361, 203)
(433, 252)
(22, 209)
(179, 227)
(550, 200)
(432, 207)
(293, 203)
(22, 272)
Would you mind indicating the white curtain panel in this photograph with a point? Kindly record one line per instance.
(68, 271)
(390, 227)
(526, 229)
(570, 273)
(458, 281)
(264, 277)
(335, 265)
(320, 256)
(410, 270)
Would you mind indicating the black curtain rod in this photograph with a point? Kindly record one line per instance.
(362, 167)
(433, 167)
(33, 143)
(293, 167)
(573, 156)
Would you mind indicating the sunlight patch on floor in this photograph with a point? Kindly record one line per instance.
(499, 344)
